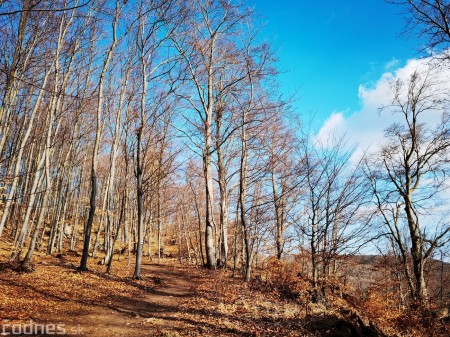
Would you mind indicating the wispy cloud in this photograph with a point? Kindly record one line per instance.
(392, 64)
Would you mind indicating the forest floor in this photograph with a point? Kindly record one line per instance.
(170, 300)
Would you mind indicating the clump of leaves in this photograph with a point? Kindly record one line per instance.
(287, 278)
(17, 267)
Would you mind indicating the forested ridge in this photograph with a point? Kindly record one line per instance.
(147, 148)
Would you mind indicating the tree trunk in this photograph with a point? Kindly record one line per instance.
(92, 204)
(140, 222)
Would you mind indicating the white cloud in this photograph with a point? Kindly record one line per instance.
(365, 127)
(335, 124)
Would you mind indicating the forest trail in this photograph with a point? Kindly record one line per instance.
(149, 307)
(163, 291)
(170, 300)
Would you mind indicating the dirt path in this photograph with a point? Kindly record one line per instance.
(154, 313)
(94, 304)
(170, 301)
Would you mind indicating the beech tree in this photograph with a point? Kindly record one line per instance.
(155, 24)
(208, 28)
(285, 180)
(98, 134)
(430, 19)
(30, 35)
(408, 174)
(331, 216)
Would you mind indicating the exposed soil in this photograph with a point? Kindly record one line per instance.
(170, 300)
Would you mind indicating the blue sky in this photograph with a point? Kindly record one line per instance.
(329, 48)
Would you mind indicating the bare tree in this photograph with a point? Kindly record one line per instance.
(10, 95)
(331, 217)
(208, 28)
(98, 134)
(283, 161)
(408, 175)
(430, 19)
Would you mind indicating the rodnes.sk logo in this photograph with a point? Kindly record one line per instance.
(33, 328)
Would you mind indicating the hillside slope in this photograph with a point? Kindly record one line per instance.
(171, 300)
